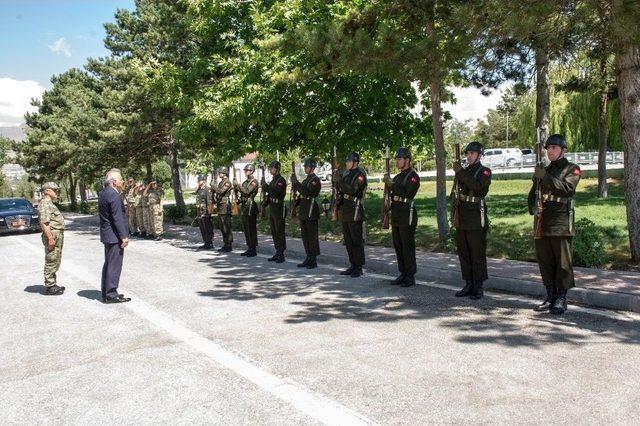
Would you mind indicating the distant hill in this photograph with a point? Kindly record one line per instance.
(15, 133)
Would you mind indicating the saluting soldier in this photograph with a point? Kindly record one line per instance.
(471, 233)
(146, 211)
(352, 186)
(276, 190)
(404, 216)
(140, 210)
(223, 202)
(203, 203)
(249, 210)
(130, 201)
(554, 245)
(308, 212)
(52, 224)
(156, 212)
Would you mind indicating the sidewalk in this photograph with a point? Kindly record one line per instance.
(619, 290)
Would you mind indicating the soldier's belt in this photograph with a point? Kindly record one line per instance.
(351, 197)
(302, 197)
(469, 199)
(402, 200)
(275, 200)
(549, 197)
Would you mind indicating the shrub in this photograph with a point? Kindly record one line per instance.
(174, 213)
(588, 245)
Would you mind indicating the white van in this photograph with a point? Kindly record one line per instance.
(502, 157)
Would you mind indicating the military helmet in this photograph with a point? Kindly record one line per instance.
(474, 147)
(250, 167)
(354, 157)
(403, 153)
(50, 185)
(310, 162)
(274, 165)
(223, 170)
(558, 140)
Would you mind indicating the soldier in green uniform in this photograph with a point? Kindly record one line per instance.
(130, 201)
(404, 217)
(52, 224)
(156, 212)
(352, 188)
(554, 248)
(471, 234)
(308, 212)
(276, 190)
(140, 212)
(203, 205)
(146, 212)
(249, 209)
(222, 195)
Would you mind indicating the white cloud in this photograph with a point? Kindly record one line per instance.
(60, 46)
(15, 98)
(471, 104)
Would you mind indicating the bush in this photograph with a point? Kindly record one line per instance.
(84, 208)
(174, 213)
(588, 245)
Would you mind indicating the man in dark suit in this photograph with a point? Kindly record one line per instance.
(114, 234)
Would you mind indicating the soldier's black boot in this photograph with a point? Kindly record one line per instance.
(54, 290)
(244, 253)
(409, 281)
(303, 264)
(560, 304)
(227, 248)
(357, 271)
(313, 263)
(143, 235)
(252, 252)
(280, 258)
(158, 238)
(478, 292)
(548, 301)
(467, 290)
(135, 234)
(273, 258)
(205, 247)
(348, 271)
(398, 280)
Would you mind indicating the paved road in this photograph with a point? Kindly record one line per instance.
(215, 338)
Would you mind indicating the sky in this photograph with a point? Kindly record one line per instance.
(41, 38)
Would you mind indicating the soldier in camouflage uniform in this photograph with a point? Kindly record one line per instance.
(203, 204)
(139, 209)
(52, 224)
(222, 198)
(129, 202)
(554, 245)
(146, 215)
(248, 191)
(471, 235)
(156, 211)
(404, 217)
(308, 212)
(276, 191)
(353, 186)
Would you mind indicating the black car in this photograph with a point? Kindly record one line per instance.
(18, 215)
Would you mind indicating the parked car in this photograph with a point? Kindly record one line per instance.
(502, 157)
(18, 215)
(324, 171)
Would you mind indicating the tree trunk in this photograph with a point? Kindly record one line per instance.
(543, 92)
(602, 151)
(628, 75)
(175, 175)
(83, 190)
(438, 137)
(149, 170)
(72, 192)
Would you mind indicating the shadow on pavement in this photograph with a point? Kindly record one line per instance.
(90, 294)
(37, 288)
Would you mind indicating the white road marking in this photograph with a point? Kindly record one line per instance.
(313, 404)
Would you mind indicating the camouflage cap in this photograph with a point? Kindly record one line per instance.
(50, 185)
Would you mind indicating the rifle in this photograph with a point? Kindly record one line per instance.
(386, 206)
(234, 206)
(294, 196)
(537, 220)
(455, 211)
(334, 184)
(213, 208)
(264, 197)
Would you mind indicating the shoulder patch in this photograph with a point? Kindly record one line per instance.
(280, 183)
(576, 171)
(413, 179)
(360, 177)
(314, 182)
(486, 172)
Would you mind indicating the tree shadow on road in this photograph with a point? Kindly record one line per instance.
(321, 295)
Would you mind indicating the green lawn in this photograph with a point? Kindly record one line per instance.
(510, 232)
